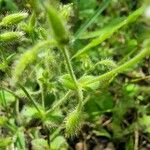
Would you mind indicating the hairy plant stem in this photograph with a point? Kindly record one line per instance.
(125, 66)
(136, 140)
(4, 100)
(42, 91)
(30, 98)
(71, 72)
(43, 96)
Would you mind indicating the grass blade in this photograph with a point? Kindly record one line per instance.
(97, 41)
(91, 19)
(104, 30)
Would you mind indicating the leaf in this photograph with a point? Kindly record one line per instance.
(7, 96)
(102, 132)
(106, 62)
(4, 142)
(59, 143)
(84, 79)
(21, 140)
(54, 118)
(105, 101)
(145, 123)
(102, 31)
(39, 144)
(105, 36)
(99, 103)
(67, 81)
(28, 111)
(11, 5)
(129, 144)
(3, 121)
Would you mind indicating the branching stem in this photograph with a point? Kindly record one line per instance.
(123, 67)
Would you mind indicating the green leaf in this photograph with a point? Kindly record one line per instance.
(59, 143)
(11, 5)
(4, 142)
(110, 64)
(99, 103)
(67, 81)
(54, 118)
(29, 111)
(129, 144)
(39, 144)
(21, 140)
(7, 96)
(87, 78)
(102, 31)
(145, 123)
(105, 101)
(3, 121)
(102, 132)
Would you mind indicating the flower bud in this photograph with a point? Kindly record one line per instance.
(10, 36)
(13, 19)
(57, 26)
(73, 122)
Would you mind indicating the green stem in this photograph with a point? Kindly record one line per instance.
(42, 89)
(142, 78)
(121, 68)
(69, 66)
(17, 107)
(71, 72)
(80, 95)
(43, 97)
(30, 98)
(4, 100)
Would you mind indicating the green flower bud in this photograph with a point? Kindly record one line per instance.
(10, 36)
(13, 19)
(73, 122)
(28, 57)
(57, 26)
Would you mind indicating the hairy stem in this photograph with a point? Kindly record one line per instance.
(69, 66)
(123, 67)
(136, 141)
(43, 95)
(30, 98)
(71, 72)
